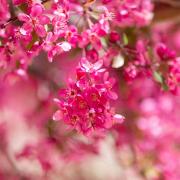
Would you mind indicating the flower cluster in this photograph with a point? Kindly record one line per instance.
(169, 59)
(85, 104)
(41, 29)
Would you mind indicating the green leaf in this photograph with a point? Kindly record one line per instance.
(103, 42)
(158, 77)
(125, 39)
(165, 86)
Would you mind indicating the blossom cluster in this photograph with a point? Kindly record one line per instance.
(85, 104)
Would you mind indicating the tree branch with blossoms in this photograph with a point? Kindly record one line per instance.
(79, 74)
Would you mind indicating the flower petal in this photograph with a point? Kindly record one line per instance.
(40, 30)
(112, 95)
(118, 118)
(44, 19)
(85, 64)
(24, 17)
(98, 65)
(65, 46)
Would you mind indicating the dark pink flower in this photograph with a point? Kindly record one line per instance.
(53, 47)
(164, 52)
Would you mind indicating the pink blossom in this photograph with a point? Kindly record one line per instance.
(174, 75)
(164, 52)
(35, 21)
(53, 48)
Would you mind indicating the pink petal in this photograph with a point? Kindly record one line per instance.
(44, 19)
(26, 29)
(112, 81)
(62, 92)
(50, 56)
(112, 95)
(108, 124)
(65, 46)
(98, 65)
(40, 30)
(101, 70)
(49, 37)
(106, 75)
(23, 17)
(23, 31)
(118, 118)
(56, 100)
(85, 64)
(54, 51)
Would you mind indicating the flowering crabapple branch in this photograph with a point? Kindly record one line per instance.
(123, 88)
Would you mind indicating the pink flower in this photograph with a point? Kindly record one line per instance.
(130, 72)
(91, 36)
(35, 21)
(173, 79)
(59, 22)
(71, 35)
(53, 47)
(164, 52)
